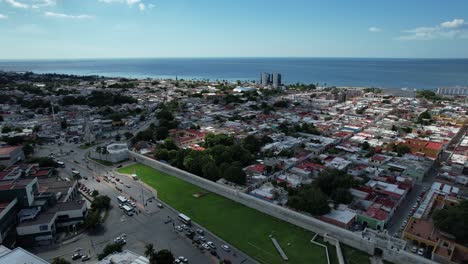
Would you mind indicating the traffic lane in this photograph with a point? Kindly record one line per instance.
(405, 209)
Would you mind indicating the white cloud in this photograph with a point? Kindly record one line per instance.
(30, 3)
(139, 3)
(128, 2)
(2, 16)
(60, 15)
(455, 29)
(453, 24)
(375, 29)
(16, 4)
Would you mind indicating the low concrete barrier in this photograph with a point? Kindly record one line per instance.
(335, 242)
(366, 241)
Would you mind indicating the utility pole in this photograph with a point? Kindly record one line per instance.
(53, 111)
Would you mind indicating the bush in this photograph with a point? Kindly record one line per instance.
(109, 249)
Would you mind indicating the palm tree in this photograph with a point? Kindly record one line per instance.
(149, 250)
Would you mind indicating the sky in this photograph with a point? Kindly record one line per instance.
(68, 29)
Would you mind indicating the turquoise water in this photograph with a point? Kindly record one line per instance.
(388, 73)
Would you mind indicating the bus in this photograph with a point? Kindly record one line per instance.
(122, 200)
(185, 219)
(128, 210)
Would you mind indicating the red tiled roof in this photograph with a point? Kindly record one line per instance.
(42, 172)
(434, 145)
(310, 166)
(258, 168)
(375, 212)
(7, 150)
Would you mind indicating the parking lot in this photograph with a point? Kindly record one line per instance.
(148, 224)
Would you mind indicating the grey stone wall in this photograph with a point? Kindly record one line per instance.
(111, 157)
(365, 241)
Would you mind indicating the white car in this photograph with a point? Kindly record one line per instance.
(421, 251)
(178, 228)
(211, 245)
(183, 259)
(205, 246)
(414, 249)
(226, 248)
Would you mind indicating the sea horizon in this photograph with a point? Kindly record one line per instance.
(392, 73)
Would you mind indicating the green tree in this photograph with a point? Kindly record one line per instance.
(310, 200)
(252, 144)
(109, 249)
(93, 219)
(424, 118)
(149, 250)
(44, 162)
(161, 154)
(162, 133)
(453, 221)
(212, 140)
(6, 129)
(334, 183)
(100, 202)
(164, 257)
(63, 124)
(128, 135)
(342, 196)
(95, 193)
(211, 171)
(235, 174)
(28, 149)
(365, 145)
(402, 150)
(60, 260)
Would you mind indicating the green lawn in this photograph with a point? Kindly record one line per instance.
(243, 227)
(354, 256)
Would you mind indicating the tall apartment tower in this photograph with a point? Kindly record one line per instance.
(276, 80)
(265, 78)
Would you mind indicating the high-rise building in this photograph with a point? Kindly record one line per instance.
(276, 79)
(452, 90)
(265, 79)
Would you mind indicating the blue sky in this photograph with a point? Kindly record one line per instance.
(241, 28)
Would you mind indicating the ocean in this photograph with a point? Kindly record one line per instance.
(385, 73)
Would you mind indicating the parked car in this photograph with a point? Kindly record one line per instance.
(76, 256)
(160, 205)
(179, 228)
(226, 248)
(183, 259)
(205, 246)
(185, 227)
(85, 258)
(421, 251)
(414, 249)
(202, 238)
(211, 245)
(200, 231)
(120, 240)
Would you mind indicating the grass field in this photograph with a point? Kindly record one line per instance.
(243, 227)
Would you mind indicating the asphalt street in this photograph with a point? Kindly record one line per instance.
(148, 226)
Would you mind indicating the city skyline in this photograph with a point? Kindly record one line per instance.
(57, 29)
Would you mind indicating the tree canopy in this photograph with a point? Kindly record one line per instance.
(453, 221)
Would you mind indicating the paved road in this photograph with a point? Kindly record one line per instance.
(146, 227)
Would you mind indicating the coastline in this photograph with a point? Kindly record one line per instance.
(355, 72)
